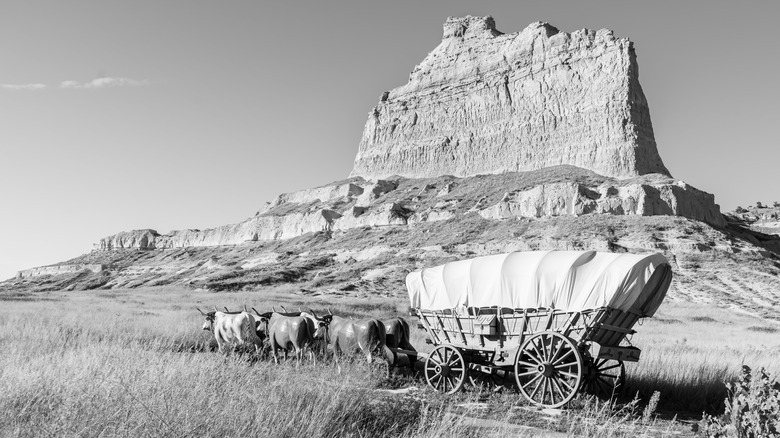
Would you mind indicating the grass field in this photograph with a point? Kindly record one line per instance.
(135, 363)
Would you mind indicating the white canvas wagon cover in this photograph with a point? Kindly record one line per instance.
(565, 280)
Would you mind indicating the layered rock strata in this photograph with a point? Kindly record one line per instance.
(487, 102)
(59, 270)
(562, 191)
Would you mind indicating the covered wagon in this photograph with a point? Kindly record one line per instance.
(554, 321)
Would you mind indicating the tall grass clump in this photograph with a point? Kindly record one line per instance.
(752, 408)
(597, 418)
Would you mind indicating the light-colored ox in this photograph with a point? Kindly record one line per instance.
(231, 329)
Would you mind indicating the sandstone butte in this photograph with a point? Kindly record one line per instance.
(499, 142)
(487, 102)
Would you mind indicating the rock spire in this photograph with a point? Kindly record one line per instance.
(487, 102)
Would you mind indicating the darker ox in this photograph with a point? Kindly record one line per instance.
(397, 336)
(285, 332)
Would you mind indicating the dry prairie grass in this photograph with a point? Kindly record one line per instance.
(135, 363)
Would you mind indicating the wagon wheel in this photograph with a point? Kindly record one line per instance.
(603, 377)
(548, 369)
(446, 369)
(490, 381)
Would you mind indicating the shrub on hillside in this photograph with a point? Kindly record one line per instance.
(752, 408)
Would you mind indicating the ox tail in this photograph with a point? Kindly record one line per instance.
(405, 342)
(378, 337)
(249, 329)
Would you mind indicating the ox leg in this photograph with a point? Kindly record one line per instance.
(273, 353)
(336, 357)
(220, 345)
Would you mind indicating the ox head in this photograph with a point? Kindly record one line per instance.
(321, 325)
(209, 324)
(261, 323)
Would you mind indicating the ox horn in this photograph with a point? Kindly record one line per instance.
(274, 308)
(215, 309)
(329, 312)
(201, 312)
(314, 315)
(285, 310)
(256, 312)
(226, 310)
(245, 308)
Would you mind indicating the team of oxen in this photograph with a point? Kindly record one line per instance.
(304, 333)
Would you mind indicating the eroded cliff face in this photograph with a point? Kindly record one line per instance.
(341, 206)
(486, 102)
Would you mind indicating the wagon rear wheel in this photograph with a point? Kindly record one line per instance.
(445, 369)
(481, 380)
(548, 369)
(603, 377)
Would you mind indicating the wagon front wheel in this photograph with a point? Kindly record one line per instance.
(445, 369)
(548, 369)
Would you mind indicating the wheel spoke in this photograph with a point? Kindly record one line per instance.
(550, 389)
(607, 375)
(528, 373)
(546, 345)
(560, 359)
(572, 375)
(533, 358)
(536, 388)
(554, 354)
(565, 365)
(528, 383)
(538, 354)
(610, 367)
(558, 388)
(565, 383)
(527, 364)
(438, 383)
(544, 389)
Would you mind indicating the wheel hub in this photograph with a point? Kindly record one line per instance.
(444, 370)
(546, 369)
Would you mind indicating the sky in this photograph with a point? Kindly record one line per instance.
(192, 114)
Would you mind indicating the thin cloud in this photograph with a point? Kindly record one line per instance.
(23, 87)
(105, 83)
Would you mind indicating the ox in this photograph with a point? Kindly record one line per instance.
(285, 332)
(397, 336)
(231, 328)
(350, 336)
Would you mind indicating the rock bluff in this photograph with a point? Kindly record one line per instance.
(486, 102)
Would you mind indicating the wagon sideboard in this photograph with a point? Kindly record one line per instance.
(503, 330)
